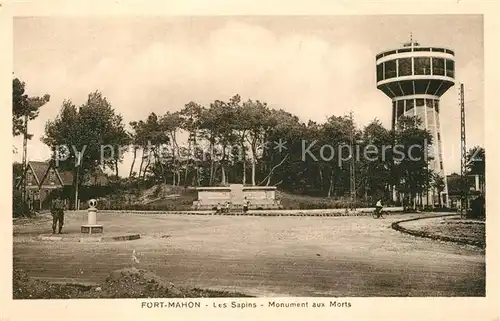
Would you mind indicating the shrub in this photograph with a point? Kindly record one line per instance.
(19, 207)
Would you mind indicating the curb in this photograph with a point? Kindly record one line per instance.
(251, 213)
(95, 238)
(435, 237)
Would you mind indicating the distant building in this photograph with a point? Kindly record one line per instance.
(42, 178)
(475, 188)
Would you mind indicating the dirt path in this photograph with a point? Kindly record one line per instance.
(272, 256)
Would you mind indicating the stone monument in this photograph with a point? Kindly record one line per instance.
(92, 227)
(260, 197)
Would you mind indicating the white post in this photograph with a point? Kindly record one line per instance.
(92, 216)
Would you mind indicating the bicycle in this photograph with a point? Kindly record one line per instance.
(378, 214)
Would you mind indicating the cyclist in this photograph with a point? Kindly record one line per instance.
(378, 207)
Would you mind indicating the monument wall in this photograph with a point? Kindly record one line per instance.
(260, 197)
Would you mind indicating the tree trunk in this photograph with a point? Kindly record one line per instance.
(146, 167)
(243, 158)
(140, 166)
(188, 161)
(330, 187)
(254, 161)
(133, 163)
(223, 179)
(116, 169)
(244, 180)
(268, 177)
(212, 164)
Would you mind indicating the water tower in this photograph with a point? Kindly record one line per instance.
(415, 77)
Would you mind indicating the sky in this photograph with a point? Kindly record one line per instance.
(311, 66)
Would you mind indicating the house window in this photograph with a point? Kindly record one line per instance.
(52, 177)
(29, 178)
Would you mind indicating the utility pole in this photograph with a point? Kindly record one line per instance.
(24, 160)
(352, 166)
(463, 157)
(77, 166)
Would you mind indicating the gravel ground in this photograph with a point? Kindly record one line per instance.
(259, 256)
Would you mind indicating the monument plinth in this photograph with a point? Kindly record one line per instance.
(259, 197)
(92, 227)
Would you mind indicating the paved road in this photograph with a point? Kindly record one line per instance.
(271, 256)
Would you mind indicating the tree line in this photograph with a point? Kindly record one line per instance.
(247, 142)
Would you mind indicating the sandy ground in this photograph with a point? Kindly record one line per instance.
(262, 256)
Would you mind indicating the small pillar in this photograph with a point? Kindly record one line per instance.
(92, 227)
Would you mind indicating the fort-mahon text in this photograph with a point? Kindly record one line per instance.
(243, 305)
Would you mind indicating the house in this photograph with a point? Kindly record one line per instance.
(42, 178)
(474, 184)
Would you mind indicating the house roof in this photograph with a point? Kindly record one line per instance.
(39, 169)
(66, 177)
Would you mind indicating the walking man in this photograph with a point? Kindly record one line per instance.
(57, 210)
(246, 204)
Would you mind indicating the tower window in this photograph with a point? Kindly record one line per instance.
(410, 104)
(390, 69)
(422, 65)
(401, 107)
(405, 67)
(438, 66)
(450, 68)
(393, 114)
(436, 105)
(419, 102)
(380, 72)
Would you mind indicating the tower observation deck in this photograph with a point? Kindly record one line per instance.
(415, 77)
